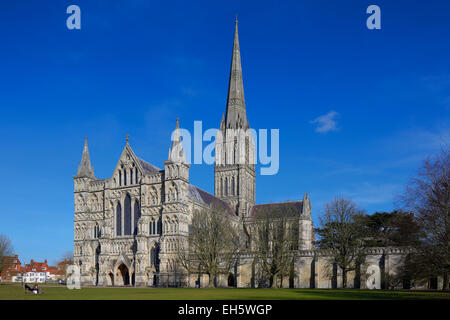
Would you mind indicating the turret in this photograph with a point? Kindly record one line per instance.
(176, 206)
(85, 172)
(176, 168)
(306, 230)
(85, 169)
(306, 210)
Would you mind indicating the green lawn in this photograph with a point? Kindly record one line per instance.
(58, 293)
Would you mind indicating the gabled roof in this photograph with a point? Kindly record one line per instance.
(143, 165)
(148, 167)
(207, 198)
(12, 268)
(285, 209)
(53, 270)
(35, 266)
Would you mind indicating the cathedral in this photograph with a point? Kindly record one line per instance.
(126, 226)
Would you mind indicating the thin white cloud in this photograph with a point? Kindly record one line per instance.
(369, 194)
(326, 122)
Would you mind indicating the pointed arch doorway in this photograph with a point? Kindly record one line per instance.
(124, 274)
(231, 281)
(111, 279)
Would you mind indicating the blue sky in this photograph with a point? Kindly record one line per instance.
(357, 109)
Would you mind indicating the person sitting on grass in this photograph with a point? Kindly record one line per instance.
(27, 288)
(34, 290)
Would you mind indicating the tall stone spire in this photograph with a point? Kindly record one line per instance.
(176, 152)
(234, 172)
(85, 169)
(236, 116)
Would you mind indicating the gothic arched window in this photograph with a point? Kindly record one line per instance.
(172, 194)
(153, 256)
(153, 199)
(79, 204)
(96, 231)
(119, 219)
(137, 216)
(247, 150)
(232, 186)
(125, 177)
(152, 227)
(127, 216)
(226, 186)
(120, 178)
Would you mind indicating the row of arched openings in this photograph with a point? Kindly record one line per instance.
(97, 231)
(128, 176)
(171, 226)
(227, 186)
(155, 227)
(126, 218)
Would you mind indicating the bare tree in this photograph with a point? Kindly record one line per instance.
(212, 245)
(68, 256)
(6, 251)
(65, 260)
(274, 244)
(428, 197)
(341, 233)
